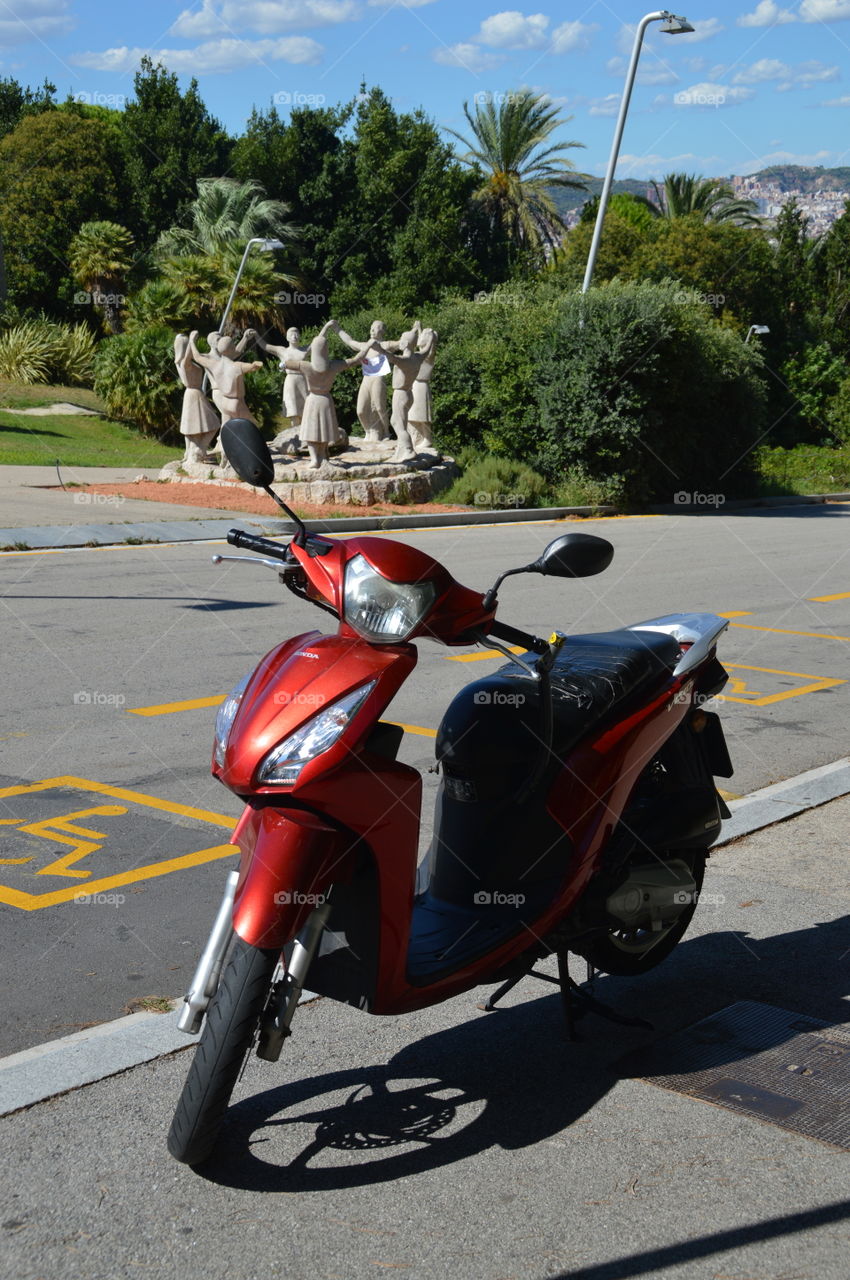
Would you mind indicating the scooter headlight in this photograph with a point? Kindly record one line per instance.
(379, 609)
(283, 765)
(224, 720)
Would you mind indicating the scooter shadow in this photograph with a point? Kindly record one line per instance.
(510, 1078)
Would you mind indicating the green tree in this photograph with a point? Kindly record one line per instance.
(509, 148)
(171, 141)
(225, 215)
(101, 259)
(17, 101)
(683, 195)
(57, 170)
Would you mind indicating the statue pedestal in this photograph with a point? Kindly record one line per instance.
(360, 475)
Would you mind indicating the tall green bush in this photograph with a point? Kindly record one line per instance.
(41, 351)
(649, 396)
(137, 381)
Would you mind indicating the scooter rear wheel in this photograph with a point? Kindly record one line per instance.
(630, 953)
(229, 1028)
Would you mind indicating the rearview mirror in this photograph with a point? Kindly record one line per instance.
(247, 452)
(574, 555)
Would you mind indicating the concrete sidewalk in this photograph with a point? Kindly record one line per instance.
(450, 1142)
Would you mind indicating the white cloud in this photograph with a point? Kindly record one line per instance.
(650, 71)
(836, 102)
(709, 94)
(513, 30)
(208, 58)
(607, 106)
(471, 57)
(804, 75)
(42, 18)
(703, 29)
(824, 10)
(764, 69)
(573, 37)
(652, 165)
(766, 14)
(267, 17)
(408, 4)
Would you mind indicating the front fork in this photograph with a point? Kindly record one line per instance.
(285, 994)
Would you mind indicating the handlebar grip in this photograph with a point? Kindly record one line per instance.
(250, 542)
(512, 635)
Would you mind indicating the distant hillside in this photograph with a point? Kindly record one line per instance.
(796, 177)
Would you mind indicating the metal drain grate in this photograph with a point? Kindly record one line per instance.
(760, 1061)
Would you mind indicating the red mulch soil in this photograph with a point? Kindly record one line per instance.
(225, 498)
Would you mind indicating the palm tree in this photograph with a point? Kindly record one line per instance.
(225, 216)
(712, 200)
(509, 146)
(101, 256)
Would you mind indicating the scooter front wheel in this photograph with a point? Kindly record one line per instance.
(229, 1028)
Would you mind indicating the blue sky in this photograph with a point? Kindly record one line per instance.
(761, 82)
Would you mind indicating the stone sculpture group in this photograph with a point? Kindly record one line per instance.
(310, 373)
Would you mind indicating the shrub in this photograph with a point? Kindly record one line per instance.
(492, 482)
(136, 378)
(39, 351)
(648, 396)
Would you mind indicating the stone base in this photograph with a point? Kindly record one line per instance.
(363, 474)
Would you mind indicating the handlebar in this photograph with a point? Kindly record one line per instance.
(250, 542)
(512, 635)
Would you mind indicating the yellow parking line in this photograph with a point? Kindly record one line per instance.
(166, 708)
(413, 728)
(784, 631)
(842, 595)
(481, 654)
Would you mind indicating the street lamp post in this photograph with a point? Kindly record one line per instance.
(673, 26)
(268, 246)
(756, 328)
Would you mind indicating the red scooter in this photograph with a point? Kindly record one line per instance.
(575, 810)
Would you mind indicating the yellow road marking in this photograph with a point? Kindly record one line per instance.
(842, 595)
(413, 728)
(783, 631)
(36, 901)
(53, 828)
(167, 708)
(481, 654)
(764, 700)
(736, 613)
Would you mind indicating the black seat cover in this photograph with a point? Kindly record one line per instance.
(487, 836)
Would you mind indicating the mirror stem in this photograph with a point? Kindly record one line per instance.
(301, 535)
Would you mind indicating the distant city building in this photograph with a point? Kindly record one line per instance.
(821, 207)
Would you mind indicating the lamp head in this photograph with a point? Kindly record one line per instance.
(676, 25)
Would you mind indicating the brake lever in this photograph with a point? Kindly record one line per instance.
(277, 565)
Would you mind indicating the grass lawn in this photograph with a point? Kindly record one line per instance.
(72, 441)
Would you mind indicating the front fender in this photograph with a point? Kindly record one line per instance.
(289, 861)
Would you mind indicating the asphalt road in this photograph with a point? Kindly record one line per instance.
(137, 824)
